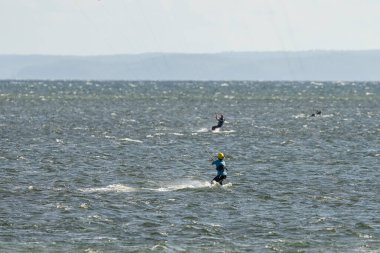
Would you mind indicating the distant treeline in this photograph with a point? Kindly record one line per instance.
(305, 65)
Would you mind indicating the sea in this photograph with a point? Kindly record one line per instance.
(125, 166)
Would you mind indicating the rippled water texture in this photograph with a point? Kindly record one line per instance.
(125, 167)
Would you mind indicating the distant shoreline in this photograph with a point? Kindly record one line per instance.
(318, 65)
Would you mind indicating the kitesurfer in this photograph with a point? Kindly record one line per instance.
(316, 113)
(220, 122)
(220, 168)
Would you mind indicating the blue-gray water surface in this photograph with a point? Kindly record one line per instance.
(125, 167)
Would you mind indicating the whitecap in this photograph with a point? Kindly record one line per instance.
(130, 140)
(109, 188)
(84, 205)
(63, 207)
(202, 130)
(178, 134)
(302, 115)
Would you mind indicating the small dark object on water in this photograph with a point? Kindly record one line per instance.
(316, 113)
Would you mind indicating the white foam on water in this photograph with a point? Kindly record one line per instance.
(178, 134)
(215, 185)
(184, 184)
(190, 184)
(63, 207)
(223, 131)
(202, 130)
(109, 188)
(302, 115)
(131, 140)
(228, 185)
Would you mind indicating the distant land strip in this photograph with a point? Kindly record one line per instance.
(259, 66)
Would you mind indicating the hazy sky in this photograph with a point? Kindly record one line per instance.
(93, 27)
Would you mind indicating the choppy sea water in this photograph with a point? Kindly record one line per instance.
(125, 167)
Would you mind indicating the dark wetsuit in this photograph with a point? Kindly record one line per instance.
(317, 113)
(221, 171)
(220, 123)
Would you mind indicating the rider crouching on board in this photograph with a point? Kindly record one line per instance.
(220, 168)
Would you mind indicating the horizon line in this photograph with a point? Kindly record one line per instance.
(194, 53)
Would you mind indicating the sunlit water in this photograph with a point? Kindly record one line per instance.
(125, 167)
